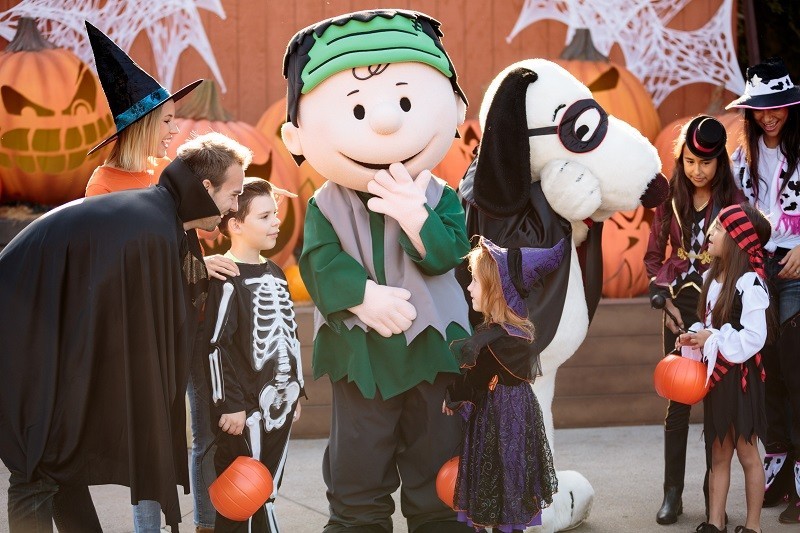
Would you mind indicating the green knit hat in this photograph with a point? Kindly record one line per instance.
(360, 39)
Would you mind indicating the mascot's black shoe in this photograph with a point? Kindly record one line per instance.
(444, 527)
(792, 513)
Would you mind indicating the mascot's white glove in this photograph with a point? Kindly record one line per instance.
(401, 197)
(571, 189)
(385, 309)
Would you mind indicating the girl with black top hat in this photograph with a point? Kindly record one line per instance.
(767, 169)
(729, 337)
(701, 185)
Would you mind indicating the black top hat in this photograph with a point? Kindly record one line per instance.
(706, 137)
(768, 86)
(131, 92)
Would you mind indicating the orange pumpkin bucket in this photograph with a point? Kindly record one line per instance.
(681, 379)
(242, 489)
(446, 481)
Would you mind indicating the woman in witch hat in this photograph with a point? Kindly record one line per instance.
(767, 169)
(144, 114)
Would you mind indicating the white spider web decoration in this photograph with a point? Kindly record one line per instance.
(171, 25)
(664, 59)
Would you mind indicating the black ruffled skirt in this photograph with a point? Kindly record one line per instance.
(728, 406)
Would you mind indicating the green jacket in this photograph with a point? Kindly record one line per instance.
(336, 282)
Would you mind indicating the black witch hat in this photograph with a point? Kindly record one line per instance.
(131, 92)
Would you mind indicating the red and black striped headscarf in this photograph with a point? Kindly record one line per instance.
(736, 223)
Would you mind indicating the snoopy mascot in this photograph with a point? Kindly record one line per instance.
(553, 164)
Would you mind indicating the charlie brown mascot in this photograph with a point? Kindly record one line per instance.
(373, 105)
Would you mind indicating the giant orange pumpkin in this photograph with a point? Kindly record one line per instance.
(202, 112)
(680, 379)
(613, 86)
(625, 237)
(52, 111)
(242, 488)
(461, 153)
(446, 481)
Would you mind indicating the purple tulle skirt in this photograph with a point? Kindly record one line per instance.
(506, 475)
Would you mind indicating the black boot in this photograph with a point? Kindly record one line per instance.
(674, 468)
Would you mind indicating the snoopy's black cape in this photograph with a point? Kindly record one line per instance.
(97, 321)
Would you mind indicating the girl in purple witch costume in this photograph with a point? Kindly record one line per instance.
(505, 474)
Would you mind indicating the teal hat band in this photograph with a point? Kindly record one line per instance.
(375, 42)
(141, 108)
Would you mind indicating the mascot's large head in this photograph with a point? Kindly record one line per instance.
(535, 113)
(368, 89)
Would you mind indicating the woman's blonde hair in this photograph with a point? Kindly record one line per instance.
(493, 303)
(136, 143)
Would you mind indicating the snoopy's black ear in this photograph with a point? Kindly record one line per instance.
(503, 173)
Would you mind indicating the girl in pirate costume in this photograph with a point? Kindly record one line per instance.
(767, 169)
(253, 354)
(505, 474)
(734, 309)
(701, 185)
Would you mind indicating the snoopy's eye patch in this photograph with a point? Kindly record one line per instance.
(582, 128)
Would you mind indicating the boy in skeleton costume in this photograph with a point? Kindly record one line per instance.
(254, 356)
(373, 105)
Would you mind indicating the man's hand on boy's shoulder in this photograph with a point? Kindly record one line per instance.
(232, 423)
(220, 267)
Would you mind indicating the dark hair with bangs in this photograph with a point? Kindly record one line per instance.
(681, 189)
(789, 143)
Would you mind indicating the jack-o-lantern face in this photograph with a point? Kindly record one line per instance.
(52, 111)
(34, 136)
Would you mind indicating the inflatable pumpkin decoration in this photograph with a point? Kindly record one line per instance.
(240, 491)
(52, 112)
(680, 379)
(614, 87)
(625, 237)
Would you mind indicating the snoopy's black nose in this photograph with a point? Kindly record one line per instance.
(657, 191)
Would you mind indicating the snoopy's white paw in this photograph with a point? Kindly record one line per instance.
(571, 504)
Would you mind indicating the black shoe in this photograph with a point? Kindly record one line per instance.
(705, 527)
(671, 507)
(792, 513)
(742, 529)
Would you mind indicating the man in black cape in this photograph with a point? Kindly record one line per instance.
(100, 301)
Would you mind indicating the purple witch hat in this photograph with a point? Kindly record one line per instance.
(520, 268)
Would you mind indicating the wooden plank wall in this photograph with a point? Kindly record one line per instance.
(608, 382)
(250, 41)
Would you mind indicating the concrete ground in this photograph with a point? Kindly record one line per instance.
(624, 464)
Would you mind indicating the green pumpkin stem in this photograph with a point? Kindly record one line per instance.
(204, 104)
(28, 38)
(582, 48)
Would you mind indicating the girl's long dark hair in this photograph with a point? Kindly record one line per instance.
(681, 189)
(734, 263)
(789, 145)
